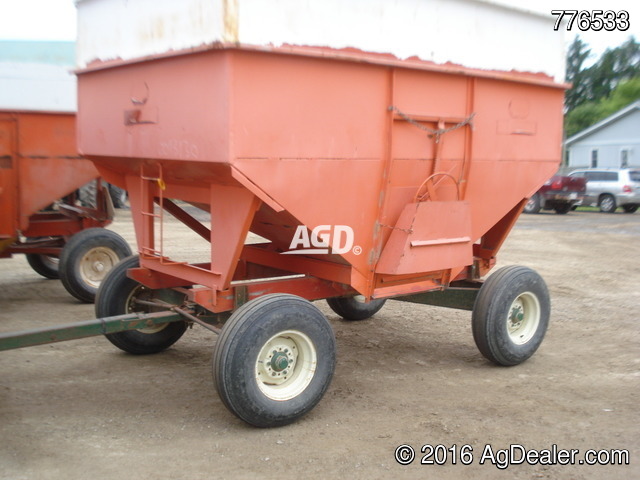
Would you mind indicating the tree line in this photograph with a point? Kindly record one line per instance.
(602, 88)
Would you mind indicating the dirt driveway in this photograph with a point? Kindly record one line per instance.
(411, 375)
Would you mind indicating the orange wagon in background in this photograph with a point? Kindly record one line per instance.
(40, 171)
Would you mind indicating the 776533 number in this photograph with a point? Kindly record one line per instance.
(595, 20)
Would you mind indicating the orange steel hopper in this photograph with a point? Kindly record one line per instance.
(396, 178)
(39, 165)
(267, 141)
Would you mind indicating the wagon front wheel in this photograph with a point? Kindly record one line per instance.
(511, 315)
(119, 294)
(274, 360)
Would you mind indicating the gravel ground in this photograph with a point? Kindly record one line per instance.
(410, 375)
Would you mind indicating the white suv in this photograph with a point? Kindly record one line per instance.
(611, 188)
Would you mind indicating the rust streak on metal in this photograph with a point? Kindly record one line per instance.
(231, 21)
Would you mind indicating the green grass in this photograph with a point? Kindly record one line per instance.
(587, 209)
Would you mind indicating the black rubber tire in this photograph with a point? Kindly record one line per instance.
(351, 309)
(533, 205)
(118, 196)
(607, 203)
(245, 337)
(108, 245)
(87, 194)
(630, 208)
(114, 298)
(43, 265)
(562, 208)
(495, 307)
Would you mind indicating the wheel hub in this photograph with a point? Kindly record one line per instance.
(516, 315)
(143, 293)
(95, 264)
(523, 318)
(279, 361)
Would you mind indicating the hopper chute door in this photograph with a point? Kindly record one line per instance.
(428, 237)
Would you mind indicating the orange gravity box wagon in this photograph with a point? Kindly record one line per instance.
(40, 173)
(380, 151)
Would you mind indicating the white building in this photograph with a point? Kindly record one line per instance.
(611, 143)
(37, 75)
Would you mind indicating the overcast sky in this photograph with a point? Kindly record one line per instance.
(56, 19)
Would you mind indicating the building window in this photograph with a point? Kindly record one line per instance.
(624, 158)
(594, 158)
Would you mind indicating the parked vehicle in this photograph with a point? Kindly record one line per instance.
(611, 188)
(559, 193)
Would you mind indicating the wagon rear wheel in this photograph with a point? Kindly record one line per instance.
(45, 265)
(355, 308)
(118, 295)
(87, 258)
(510, 315)
(274, 360)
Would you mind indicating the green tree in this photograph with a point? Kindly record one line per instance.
(589, 113)
(625, 93)
(581, 117)
(603, 88)
(576, 55)
(593, 83)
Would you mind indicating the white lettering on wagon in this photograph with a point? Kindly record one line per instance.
(179, 149)
(323, 239)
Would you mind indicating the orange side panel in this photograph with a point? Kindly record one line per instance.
(39, 164)
(8, 180)
(429, 236)
(49, 164)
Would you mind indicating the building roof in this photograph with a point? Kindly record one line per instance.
(40, 52)
(623, 112)
(37, 76)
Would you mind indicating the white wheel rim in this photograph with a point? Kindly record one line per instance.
(133, 307)
(286, 365)
(50, 262)
(523, 318)
(154, 329)
(95, 264)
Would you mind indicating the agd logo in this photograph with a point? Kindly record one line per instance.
(323, 239)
